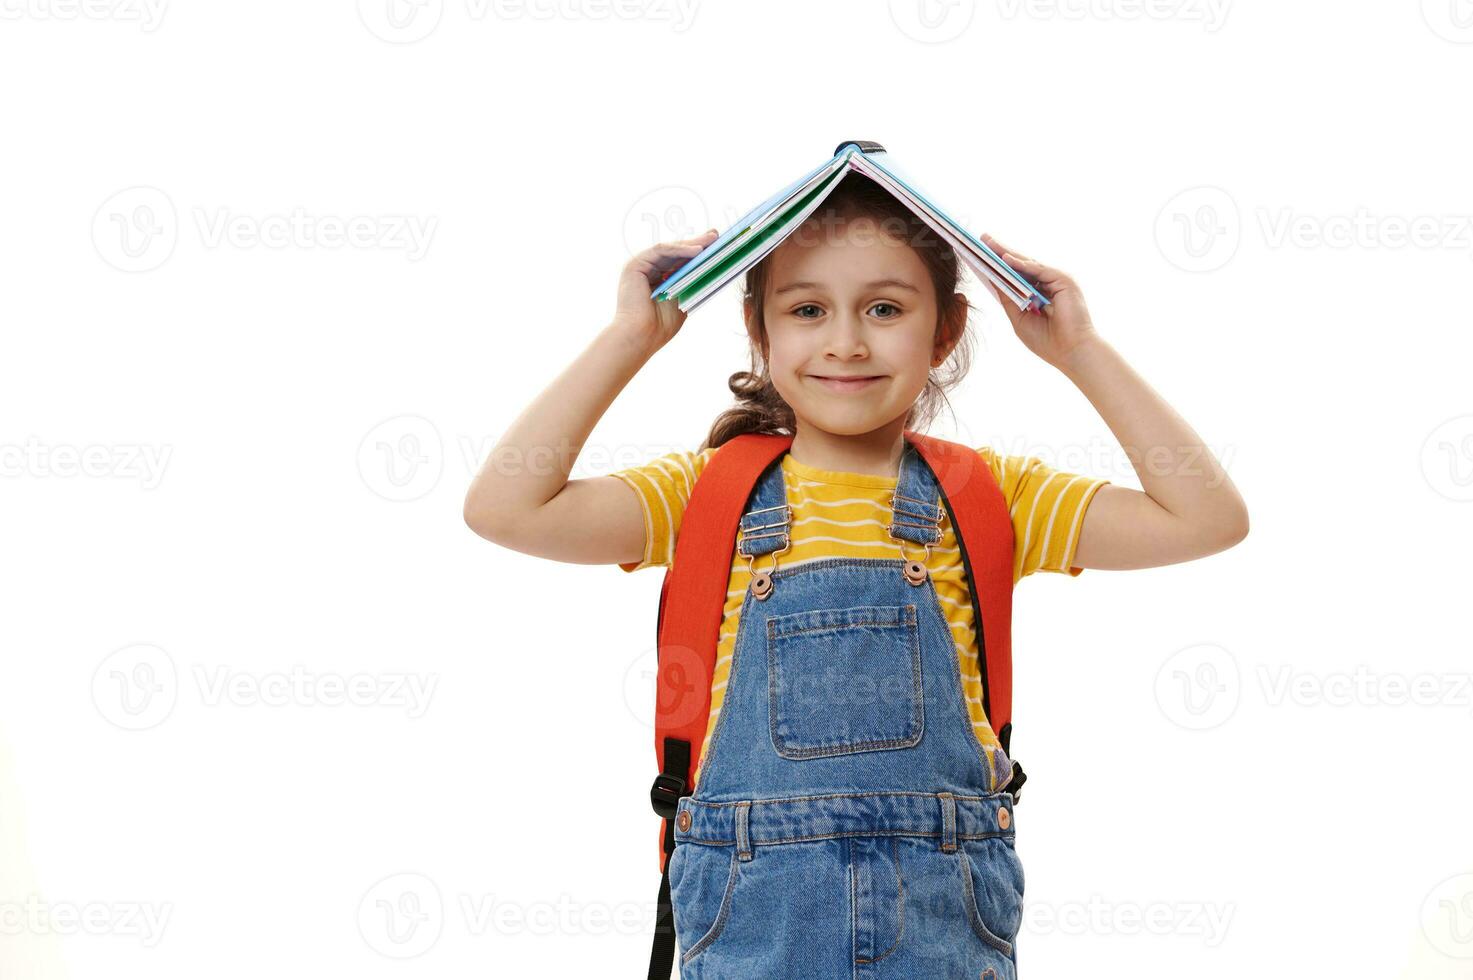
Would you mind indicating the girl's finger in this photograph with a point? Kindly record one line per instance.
(685, 247)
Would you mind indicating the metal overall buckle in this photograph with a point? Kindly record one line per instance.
(916, 572)
(761, 584)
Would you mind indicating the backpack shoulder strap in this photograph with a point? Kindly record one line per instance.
(692, 601)
(984, 532)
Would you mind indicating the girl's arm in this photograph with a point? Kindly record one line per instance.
(522, 498)
(1189, 507)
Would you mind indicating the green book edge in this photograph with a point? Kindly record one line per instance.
(753, 241)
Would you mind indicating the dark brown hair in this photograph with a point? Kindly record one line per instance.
(760, 408)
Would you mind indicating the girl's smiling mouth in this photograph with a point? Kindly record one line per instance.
(852, 382)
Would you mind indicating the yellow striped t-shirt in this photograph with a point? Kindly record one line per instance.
(848, 515)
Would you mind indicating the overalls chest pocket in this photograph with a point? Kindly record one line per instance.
(844, 680)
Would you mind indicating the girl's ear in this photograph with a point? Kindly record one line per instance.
(953, 322)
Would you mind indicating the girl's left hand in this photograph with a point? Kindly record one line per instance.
(1055, 331)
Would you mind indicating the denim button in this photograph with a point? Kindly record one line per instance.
(683, 821)
(1002, 817)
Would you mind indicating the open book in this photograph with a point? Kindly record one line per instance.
(748, 241)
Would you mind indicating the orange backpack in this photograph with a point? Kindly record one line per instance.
(693, 600)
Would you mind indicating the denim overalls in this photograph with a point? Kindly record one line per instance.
(841, 825)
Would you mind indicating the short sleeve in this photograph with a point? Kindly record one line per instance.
(663, 486)
(1047, 507)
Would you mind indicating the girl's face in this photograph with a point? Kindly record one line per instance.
(851, 325)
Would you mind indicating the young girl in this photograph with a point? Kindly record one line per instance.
(850, 816)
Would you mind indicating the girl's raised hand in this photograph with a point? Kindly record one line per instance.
(646, 321)
(1056, 330)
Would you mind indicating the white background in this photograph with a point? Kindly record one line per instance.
(231, 457)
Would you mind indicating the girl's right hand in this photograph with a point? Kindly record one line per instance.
(646, 321)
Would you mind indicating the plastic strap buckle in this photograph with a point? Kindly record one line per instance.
(666, 792)
(1015, 785)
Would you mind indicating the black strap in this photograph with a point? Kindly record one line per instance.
(662, 954)
(665, 795)
(865, 146)
(1015, 785)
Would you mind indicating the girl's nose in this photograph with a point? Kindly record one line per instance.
(845, 337)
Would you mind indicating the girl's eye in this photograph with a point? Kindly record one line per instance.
(888, 306)
(805, 306)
